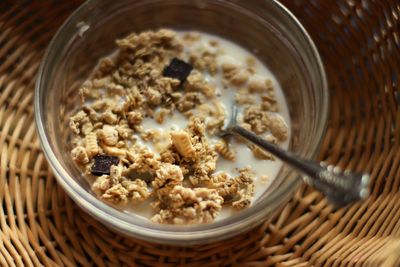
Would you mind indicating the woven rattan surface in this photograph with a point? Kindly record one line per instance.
(360, 45)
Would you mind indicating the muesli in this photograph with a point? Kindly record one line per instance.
(157, 78)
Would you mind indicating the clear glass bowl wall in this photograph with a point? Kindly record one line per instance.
(264, 27)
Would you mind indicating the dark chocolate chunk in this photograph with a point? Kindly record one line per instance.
(102, 164)
(178, 69)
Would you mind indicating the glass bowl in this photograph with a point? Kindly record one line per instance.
(263, 26)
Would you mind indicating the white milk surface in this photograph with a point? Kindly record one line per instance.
(235, 54)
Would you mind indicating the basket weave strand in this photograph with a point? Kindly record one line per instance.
(359, 41)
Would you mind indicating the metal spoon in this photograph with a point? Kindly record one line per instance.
(340, 187)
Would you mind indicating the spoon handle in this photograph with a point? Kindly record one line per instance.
(341, 188)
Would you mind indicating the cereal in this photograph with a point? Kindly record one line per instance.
(109, 117)
(183, 144)
(239, 77)
(167, 174)
(102, 184)
(260, 153)
(235, 74)
(269, 103)
(142, 159)
(182, 205)
(135, 117)
(161, 115)
(124, 131)
(246, 188)
(121, 140)
(79, 155)
(134, 99)
(264, 179)
(225, 186)
(154, 97)
(117, 193)
(243, 97)
(152, 135)
(238, 191)
(259, 85)
(92, 147)
(109, 135)
(137, 190)
(114, 151)
(196, 82)
(278, 127)
(228, 68)
(116, 188)
(77, 120)
(223, 148)
(204, 60)
(257, 118)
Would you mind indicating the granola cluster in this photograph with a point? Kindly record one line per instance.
(152, 76)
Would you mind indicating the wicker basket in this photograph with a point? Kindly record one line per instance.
(360, 44)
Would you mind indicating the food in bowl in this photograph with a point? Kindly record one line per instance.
(146, 134)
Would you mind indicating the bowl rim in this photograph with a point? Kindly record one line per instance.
(168, 234)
